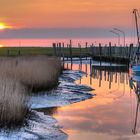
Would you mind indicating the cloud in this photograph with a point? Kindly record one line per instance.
(38, 33)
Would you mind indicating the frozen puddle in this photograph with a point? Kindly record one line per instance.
(41, 127)
(66, 93)
(44, 127)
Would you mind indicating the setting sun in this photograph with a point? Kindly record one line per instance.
(1, 45)
(4, 26)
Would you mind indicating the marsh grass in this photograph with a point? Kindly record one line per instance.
(14, 105)
(37, 73)
(40, 73)
(20, 75)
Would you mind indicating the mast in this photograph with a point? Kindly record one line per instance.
(137, 28)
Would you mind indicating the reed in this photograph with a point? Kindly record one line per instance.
(14, 105)
(36, 72)
(39, 72)
(19, 75)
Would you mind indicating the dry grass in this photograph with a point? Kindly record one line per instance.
(17, 74)
(13, 102)
(38, 72)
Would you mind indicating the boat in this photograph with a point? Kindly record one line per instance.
(134, 80)
(135, 63)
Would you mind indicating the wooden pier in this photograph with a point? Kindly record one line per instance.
(115, 54)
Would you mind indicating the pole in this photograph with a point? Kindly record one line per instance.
(86, 50)
(54, 48)
(117, 35)
(79, 45)
(70, 48)
(137, 28)
(122, 33)
(63, 53)
(135, 11)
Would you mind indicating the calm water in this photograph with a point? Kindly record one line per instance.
(110, 115)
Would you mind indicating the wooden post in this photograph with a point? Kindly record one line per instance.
(110, 51)
(63, 53)
(67, 52)
(79, 45)
(100, 51)
(130, 51)
(70, 48)
(60, 50)
(54, 48)
(80, 65)
(86, 49)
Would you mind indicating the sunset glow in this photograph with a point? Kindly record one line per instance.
(1, 45)
(4, 26)
(42, 19)
(68, 14)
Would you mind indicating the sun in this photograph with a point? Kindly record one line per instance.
(1, 45)
(4, 26)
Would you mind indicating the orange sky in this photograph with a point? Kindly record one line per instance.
(67, 19)
(67, 13)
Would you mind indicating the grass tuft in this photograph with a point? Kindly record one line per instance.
(13, 102)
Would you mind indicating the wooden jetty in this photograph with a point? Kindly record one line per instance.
(115, 54)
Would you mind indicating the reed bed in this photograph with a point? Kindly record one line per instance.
(38, 72)
(14, 105)
(19, 75)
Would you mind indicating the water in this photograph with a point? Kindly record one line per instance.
(41, 125)
(66, 93)
(99, 105)
(110, 115)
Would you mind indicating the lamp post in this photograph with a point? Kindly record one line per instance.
(117, 35)
(116, 29)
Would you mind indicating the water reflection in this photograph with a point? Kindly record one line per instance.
(135, 85)
(111, 78)
(112, 114)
